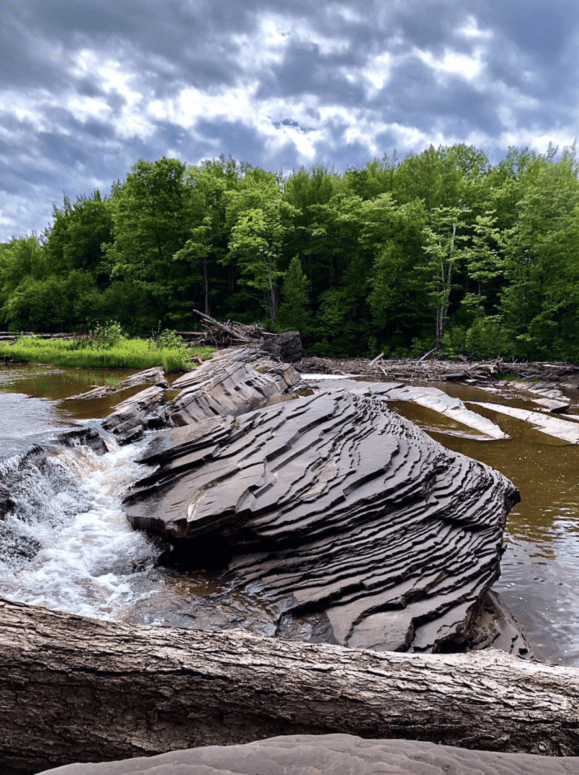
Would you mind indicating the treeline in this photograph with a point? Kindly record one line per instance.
(438, 251)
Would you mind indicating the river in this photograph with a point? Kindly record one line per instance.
(92, 563)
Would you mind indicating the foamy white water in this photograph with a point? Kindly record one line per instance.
(67, 513)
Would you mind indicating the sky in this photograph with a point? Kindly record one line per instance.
(87, 88)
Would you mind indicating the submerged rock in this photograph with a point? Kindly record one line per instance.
(83, 437)
(566, 430)
(153, 376)
(339, 520)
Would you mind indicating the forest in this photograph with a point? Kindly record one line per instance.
(438, 252)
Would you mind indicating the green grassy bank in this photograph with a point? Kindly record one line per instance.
(125, 354)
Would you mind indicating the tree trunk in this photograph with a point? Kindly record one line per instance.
(206, 285)
(76, 689)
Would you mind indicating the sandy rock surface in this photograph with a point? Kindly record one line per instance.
(331, 755)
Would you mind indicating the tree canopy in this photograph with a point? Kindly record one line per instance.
(440, 250)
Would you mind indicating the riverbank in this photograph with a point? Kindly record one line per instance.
(434, 370)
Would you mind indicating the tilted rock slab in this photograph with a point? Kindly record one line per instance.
(130, 418)
(331, 755)
(152, 376)
(233, 382)
(566, 430)
(434, 399)
(341, 521)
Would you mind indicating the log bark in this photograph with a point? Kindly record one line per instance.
(75, 689)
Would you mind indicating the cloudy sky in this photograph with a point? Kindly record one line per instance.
(87, 87)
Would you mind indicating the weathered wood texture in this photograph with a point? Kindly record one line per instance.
(336, 754)
(334, 519)
(440, 370)
(287, 346)
(75, 689)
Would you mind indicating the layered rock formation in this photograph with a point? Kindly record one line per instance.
(233, 382)
(332, 518)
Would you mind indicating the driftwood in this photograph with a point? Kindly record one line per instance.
(439, 370)
(287, 346)
(224, 334)
(75, 689)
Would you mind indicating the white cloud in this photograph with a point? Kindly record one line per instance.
(378, 72)
(267, 43)
(470, 29)
(454, 63)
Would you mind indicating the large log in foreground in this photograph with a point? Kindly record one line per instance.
(75, 689)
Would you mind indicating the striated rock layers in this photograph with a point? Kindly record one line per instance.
(332, 519)
(233, 382)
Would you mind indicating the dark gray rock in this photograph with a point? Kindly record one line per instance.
(290, 345)
(128, 421)
(233, 382)
(334, 517)
(83, 437)
(331, 755)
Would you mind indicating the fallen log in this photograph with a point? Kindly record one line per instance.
(76, 689)
(210, 322)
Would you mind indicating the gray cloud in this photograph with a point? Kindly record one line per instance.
(87, 88)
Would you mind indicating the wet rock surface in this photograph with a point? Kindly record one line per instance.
(333, 518)
(129, 420)
(83, 437)
(429, 397)
(331, 755)
(566, 430)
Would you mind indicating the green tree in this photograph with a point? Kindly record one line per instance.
(442, 244)
(149, 228)
(208, 232)
(260, 220)
(293, 312)
(75, 239)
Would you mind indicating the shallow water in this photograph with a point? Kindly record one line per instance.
(540, 567)
(92, 562)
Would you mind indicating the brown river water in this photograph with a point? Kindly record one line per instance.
(115, 577)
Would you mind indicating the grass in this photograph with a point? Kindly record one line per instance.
(127, 354)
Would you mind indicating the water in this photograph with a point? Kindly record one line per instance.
(65, 542)
(68, 546)
(540, 568)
